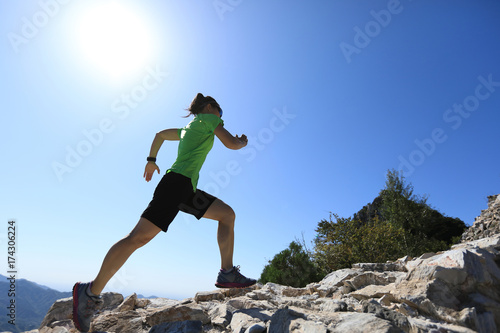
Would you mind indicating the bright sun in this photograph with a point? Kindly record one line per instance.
(115, 39)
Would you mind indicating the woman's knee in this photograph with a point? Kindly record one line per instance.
(227, 213)
(231, 214)
(220, 211)
(143, 232)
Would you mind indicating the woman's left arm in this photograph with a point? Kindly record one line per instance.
(230, 141)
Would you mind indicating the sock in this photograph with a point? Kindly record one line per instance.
(227, 271)
(89, 292)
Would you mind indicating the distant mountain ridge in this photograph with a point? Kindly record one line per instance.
(32, 303)
(146, 297)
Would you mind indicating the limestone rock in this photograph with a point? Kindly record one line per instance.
(256, 328)
(111, 300)
(128, 304)
(287, 320)
(141, 303)
(157, 303)
(122, 321)
(178, 313)
(432, 326)
(189, 326)
(61, 309)
(379, 311)
(487, 224)
(53, 330)
(221, 315)
(246, 318)
(381, 267)
(373, 278)
(354, 322)
(205, 296)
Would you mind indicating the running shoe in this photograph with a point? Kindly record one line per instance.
(233, 279)
(84, 306)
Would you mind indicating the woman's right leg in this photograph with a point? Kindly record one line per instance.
(143, 232)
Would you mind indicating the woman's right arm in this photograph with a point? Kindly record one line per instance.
(171, 134)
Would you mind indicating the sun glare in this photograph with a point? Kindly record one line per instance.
(114, 39)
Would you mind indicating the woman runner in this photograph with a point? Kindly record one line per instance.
(176, 191)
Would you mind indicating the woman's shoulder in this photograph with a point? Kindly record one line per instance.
(206, 116)
(209, 119)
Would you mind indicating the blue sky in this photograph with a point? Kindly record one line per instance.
(331, 94)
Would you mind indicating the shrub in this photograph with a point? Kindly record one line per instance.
(291, 267)
(342, 242)
(396, 224)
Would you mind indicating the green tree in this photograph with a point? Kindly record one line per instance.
(395, 224)
(425, 229)
(333, 244)
(342, 242)
(291, 267)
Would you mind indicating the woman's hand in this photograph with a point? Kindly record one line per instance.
(150, 169)
(243, 139)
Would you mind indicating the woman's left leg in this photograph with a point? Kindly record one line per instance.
(223, 213)
(229, 276)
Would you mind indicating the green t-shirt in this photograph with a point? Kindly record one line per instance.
(196, 140)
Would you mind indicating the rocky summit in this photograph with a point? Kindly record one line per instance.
(452, 291)
(486, 224)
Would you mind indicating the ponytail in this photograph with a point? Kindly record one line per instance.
(198, 103)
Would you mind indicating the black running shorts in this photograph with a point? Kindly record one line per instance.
(174, 193)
